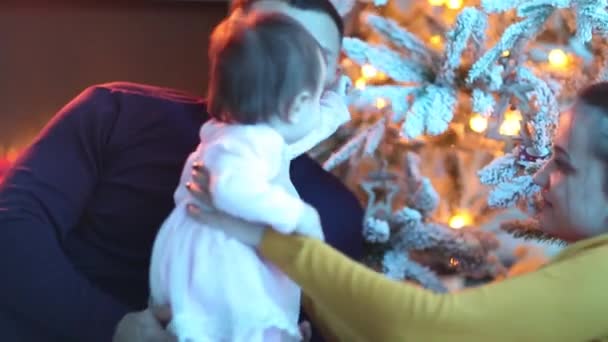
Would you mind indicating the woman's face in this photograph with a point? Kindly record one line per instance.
(575, 205)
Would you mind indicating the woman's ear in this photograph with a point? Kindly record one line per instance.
(298, 107)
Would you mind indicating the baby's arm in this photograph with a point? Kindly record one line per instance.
(241, 185)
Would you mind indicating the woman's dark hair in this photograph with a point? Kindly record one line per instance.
(596, 96)
(259, 63)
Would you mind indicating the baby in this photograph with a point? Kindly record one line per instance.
(268, 106)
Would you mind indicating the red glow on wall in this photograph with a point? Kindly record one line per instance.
(5, 164)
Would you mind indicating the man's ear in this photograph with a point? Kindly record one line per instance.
(298, 106)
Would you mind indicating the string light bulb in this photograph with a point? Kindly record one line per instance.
(506, 53)
(435, 40)
(368, 71)
(454, 4)
(381, 103)
(360, 84)
(511, 124)
(510, 128)
(460, 220)
(557, 58)
(436, 2)
(478, 123)
(513, 114)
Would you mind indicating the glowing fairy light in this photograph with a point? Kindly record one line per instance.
(460, 220)
(381, 103)
(558, 58)
(435, 40)
(368, 71)
(478, 123)
(453, 4)
(436, 2)
(511, 124)
(360, 84)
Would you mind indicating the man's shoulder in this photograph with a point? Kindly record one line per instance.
(131, 90)
(129, 114)
(132, 106)
(122, 105)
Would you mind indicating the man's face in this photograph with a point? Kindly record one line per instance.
(319, 24)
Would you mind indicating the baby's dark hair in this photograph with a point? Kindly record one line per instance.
(259, 64)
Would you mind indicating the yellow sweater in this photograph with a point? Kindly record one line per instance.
(567, 300)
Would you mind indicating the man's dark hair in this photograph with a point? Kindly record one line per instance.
(259, 64)
(323, 6)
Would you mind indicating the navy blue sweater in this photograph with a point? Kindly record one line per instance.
(80, 210)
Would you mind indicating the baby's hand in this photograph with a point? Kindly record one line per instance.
(334, 111)
(344, 85)
(341, 85)
(310, 224)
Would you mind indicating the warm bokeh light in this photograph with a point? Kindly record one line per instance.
(360, 84)
(513, 114)
(454, 262)
(12, 155)
(478, 123)
(436, 2)
(510, 128)
(558, 58)
(506, 53)
(460, 220)
(435, 40)
(454, 4)
(368, 71)
(381, 103)
(511, 124)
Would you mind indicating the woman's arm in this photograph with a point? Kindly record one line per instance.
(563, 302)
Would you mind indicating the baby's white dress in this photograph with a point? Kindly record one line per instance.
(218, 288)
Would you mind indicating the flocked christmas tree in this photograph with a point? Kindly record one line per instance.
(467, 96)
(403, 241)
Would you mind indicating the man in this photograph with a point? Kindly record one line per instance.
(80, 210)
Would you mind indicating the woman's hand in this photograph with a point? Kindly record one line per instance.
(199, 185)
(246, 232)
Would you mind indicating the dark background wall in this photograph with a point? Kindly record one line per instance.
(50, 52)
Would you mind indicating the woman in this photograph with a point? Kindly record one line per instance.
(567, 300)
